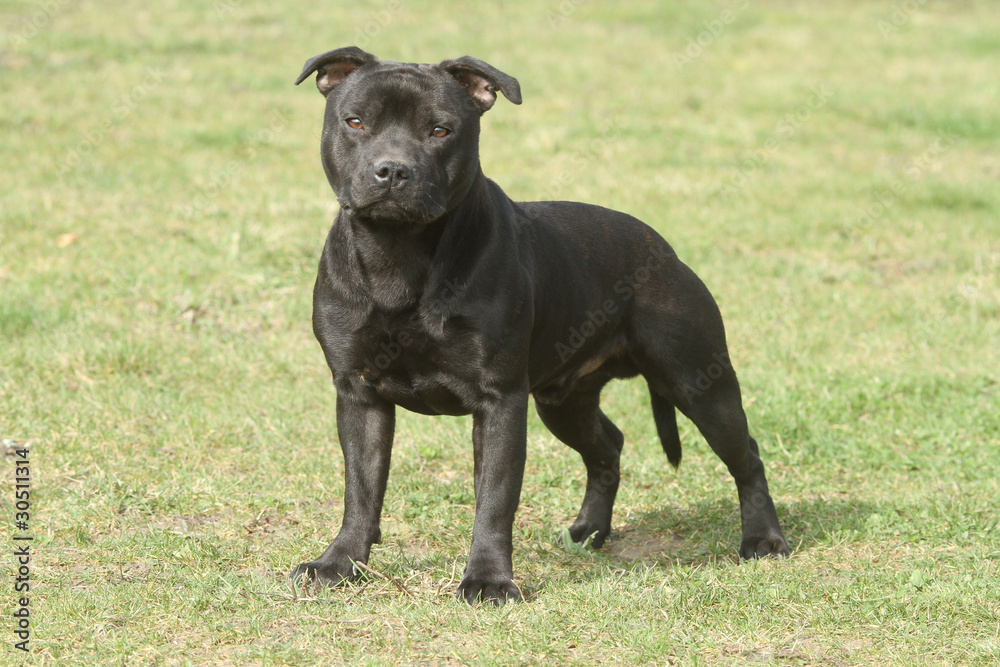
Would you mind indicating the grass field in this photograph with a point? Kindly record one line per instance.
(830, 170)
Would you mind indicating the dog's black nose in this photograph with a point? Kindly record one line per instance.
(392, 173)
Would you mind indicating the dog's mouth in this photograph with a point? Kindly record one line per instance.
(390, 209)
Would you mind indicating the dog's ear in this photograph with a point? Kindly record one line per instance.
(334, 66)
(482, 81)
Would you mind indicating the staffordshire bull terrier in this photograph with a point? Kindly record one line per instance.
(439, 294)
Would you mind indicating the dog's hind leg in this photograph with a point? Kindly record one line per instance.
(579, 423)
(722, 421)
(717, 411)
(680, 348)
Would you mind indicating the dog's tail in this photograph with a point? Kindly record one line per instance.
(666, 426)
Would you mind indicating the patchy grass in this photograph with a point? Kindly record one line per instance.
(829, 171)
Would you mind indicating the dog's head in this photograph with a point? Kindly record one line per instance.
(401, 140)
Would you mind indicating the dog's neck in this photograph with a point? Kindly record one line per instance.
(401, 262)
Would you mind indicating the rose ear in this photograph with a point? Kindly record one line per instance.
(334, 66)
(482, 80)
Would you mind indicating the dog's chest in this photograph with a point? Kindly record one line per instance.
(415, 362)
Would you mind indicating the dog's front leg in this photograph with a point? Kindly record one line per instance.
(499, 434)
(365, 431)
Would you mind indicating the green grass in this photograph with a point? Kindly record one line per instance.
(180, 415)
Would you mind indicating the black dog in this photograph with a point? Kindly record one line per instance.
(439, 294)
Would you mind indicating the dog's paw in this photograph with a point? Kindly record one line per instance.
(763, 547)
(496, 592)
(326, 574)
(590, 534)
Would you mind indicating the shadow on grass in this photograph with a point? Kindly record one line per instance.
(709, 532)
(703, 534)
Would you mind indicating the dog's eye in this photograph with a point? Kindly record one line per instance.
(355, 124)
(440, 132)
